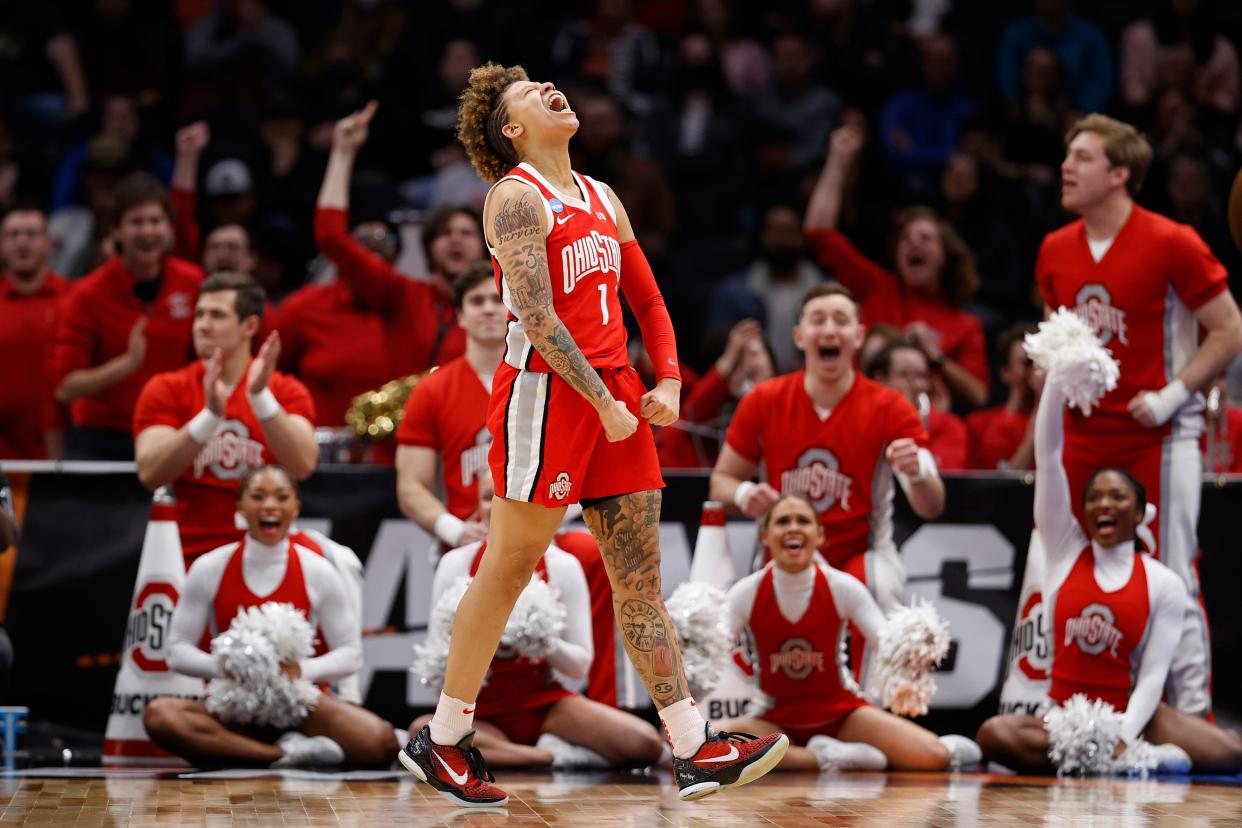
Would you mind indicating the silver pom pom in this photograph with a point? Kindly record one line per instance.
(1072, 355)
(1083, 736)
(431, 656)
(258, 641)
(700, 620)
(537, 621)
(912, 642)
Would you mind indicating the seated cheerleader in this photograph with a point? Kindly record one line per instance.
(797, 609)
(265, 566)
(525, 715)
(1116, 619)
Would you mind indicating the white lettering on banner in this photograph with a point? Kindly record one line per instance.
(594, 253)
(989, 557)
(230, 452)
(1095, 305)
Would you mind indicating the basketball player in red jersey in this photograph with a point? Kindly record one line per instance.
(267, 566)
(445, 424)
(796, 609)
(570, 422)
(1116, 617)
(1146, 285)
(202, 426)
(526, 715)
(837, 437)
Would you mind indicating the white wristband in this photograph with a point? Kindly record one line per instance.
(265, 405)
(743, 491)
(203, 425)
(449, 528)
(1165, 402)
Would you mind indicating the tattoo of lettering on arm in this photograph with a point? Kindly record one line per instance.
(627, 529)
(524, 264)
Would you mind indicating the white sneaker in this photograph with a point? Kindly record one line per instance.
(964, 752)
(834, 755)
(568, 755)
(302, 751)
(1171, 759)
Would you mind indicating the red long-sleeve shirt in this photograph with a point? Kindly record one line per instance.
(27, 325)
(94, 327)
(884, 298)
(995, 434)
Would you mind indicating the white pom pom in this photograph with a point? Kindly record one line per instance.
(1072, 355)
(537, 621)
(1138, 759)
(259, 640)
(912, 642)
(1082, 736)
(700, 620)
(431, 656)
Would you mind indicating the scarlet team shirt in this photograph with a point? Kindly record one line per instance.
(1140, 299)
(447, 413)
(584, 263)
(837, 462)
(206, 492)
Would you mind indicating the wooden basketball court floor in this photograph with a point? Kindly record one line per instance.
(614, 800)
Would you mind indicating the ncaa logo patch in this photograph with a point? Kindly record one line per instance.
(600, 216)
(559, 488)
(556, 205)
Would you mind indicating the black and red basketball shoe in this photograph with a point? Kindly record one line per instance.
(459, 772)
(726, 760)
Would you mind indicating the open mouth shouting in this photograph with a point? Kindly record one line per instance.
(557, 102)
(270, 527)
(1106, 526)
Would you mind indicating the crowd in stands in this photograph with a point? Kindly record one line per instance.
(906, 148)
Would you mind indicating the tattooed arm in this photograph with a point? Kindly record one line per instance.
(517, 229)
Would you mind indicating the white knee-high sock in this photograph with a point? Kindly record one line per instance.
(686, 727)
(454, 718)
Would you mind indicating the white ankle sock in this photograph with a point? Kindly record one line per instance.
(963, 751)
(685, 726)
(833, 754)
(454, 718)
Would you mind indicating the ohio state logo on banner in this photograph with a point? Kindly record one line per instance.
(150, 622)
(817, 477)
(1029, 645)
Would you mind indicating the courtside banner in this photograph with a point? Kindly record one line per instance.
(82, 537)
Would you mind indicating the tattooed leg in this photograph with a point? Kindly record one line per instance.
(627, 529)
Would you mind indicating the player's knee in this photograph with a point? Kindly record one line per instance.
(377, 744)
(161, 719)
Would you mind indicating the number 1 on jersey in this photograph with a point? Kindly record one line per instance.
(603, 302)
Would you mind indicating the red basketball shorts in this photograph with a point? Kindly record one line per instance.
(549, 447)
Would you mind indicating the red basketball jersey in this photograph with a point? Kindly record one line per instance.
(796, 661)
(837, 462)
(584, 263)
(1098, 637)
(233, 596)
(206, 492)
(514, 682)
(1140, 298)
(447, 412)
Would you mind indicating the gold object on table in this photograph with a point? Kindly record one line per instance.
(376, 414)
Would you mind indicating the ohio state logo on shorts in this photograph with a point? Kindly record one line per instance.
(150, 620)
(559, 488)
(816, 476)
(1095, 305)
(1029, 647)
(230, 452)
(1093, 630)
(797, 659)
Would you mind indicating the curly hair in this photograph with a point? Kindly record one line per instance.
(482, 115)
(960, 278)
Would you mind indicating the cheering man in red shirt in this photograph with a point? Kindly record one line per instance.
(203, 426)
(29, 296)
(122, 324)
(1146, 285)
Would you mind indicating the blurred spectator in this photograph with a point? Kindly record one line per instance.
(1221, 442)
(770, 290)
(1181, 38)
(229, 190)
(10, 169)
(1188, 182)
(1005, 280)
(373, 324)
(1001, 437)
(1081, 48)
(30, 294)
(122, 324)
(879, 337)
(125, 52)
(904, 368)
(919, 127)
(434, 143)
(1036, 122)
(42, 83)
(743, 59)
(600, 149)
(80, 232)
(239, 57)
(795, 105)
(610, 49)
(935, 277)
